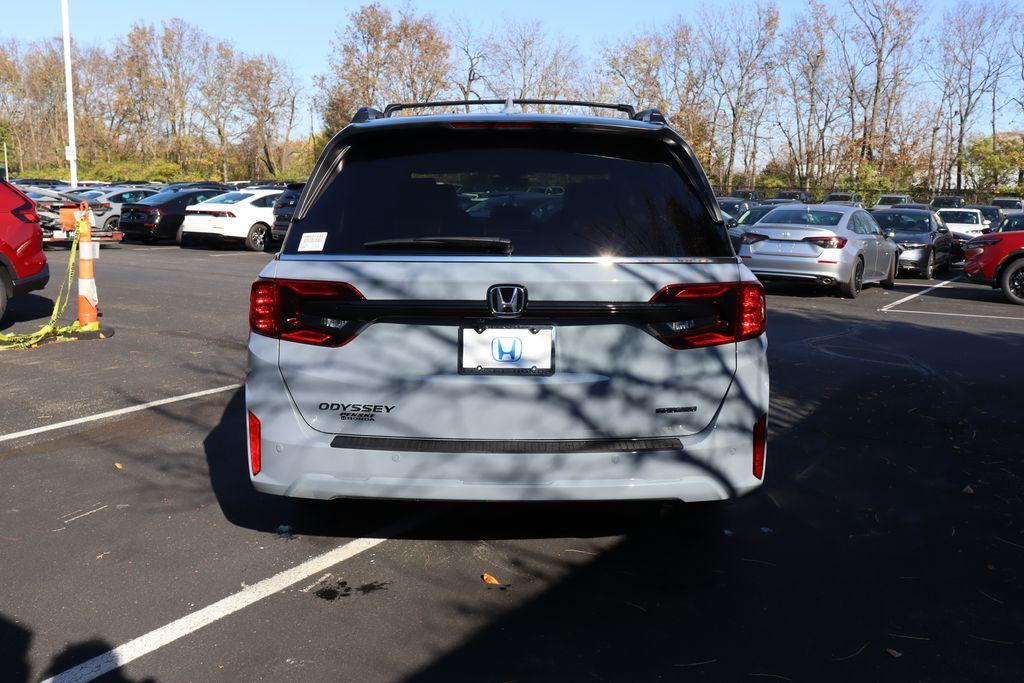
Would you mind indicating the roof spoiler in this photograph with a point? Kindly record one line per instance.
(364, 114)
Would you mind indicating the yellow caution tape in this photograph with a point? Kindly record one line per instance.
(50, 329)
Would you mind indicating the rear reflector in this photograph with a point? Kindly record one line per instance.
(760, 440)
(280, 309)
(254, 444)
(736, 312)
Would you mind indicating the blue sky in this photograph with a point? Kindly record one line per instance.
(300, 31)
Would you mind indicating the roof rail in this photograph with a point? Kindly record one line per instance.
(626, 109)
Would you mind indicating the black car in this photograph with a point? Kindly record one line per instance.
(1010, 203)
(201, 184)
(846, 197)
(993, 214)
(735, 206)
(161, 216)
(798, 195)
(947, 202)
(750, 195)
(924, 240)
(284, 207)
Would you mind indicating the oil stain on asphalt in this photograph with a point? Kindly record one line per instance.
(341, 589)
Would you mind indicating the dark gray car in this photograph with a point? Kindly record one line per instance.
(924, 240)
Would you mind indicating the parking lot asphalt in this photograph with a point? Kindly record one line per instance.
(886, 544)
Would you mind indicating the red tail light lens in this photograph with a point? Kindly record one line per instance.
(279, 309)
(752, 237)
(18, 203)
(255, 460)
(760, 442)
(733, 312)
(824, 242)
(26, 213)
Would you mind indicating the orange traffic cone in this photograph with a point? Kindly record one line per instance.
(88, 298)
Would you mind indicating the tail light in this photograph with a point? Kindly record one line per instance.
(760, 441)
(299, 311)
(752, 237)
(719, 313)
(255, 458)
(827, 242)
(26, 213)
(218, 214)
(982, 242)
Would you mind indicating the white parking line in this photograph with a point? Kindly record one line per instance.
(143, 645)
(917, 294)
(116, 413)
(958, 315)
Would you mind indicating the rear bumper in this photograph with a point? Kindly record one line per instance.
(914, 258)
(32, 283)
(714, 464)
(828, 274)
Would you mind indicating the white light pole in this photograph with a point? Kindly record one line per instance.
(70, 152)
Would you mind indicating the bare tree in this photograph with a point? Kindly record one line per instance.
(741, 68)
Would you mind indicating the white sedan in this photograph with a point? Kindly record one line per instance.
(242, 216)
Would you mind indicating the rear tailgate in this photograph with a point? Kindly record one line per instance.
(610, 379)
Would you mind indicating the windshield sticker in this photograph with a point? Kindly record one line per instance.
(313, 241)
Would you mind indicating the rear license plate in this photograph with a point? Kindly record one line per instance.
(501, 350)
(59, 234)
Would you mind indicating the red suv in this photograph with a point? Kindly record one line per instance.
(997, 259)
(22, 261)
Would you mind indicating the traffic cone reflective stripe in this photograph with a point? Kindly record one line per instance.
(88, 298)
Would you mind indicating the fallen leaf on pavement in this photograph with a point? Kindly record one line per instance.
(895, 654)
(118, 466)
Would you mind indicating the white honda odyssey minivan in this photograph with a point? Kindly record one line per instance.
(507, 307)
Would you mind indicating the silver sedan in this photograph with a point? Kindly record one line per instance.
(835, 245)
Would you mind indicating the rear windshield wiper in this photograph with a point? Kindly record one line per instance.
(496, 245)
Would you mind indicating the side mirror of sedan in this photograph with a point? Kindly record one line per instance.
(731, 223)
(943, 230)
(986, 222)
(889, 234)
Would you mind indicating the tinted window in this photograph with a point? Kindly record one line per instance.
(1012, 224)
(753, 215)
(969, 217)
(891, 199)
(1007, 203)
(903, 222)
(230, 198)
(803, 217)
(161, 198)
(623, 196)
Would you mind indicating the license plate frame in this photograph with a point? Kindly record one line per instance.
(527, 368)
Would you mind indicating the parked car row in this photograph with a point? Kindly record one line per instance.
(189, 213)
(845, 246)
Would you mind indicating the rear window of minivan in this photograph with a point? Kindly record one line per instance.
(550, 193)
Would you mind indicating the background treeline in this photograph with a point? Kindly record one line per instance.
(859, 94)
